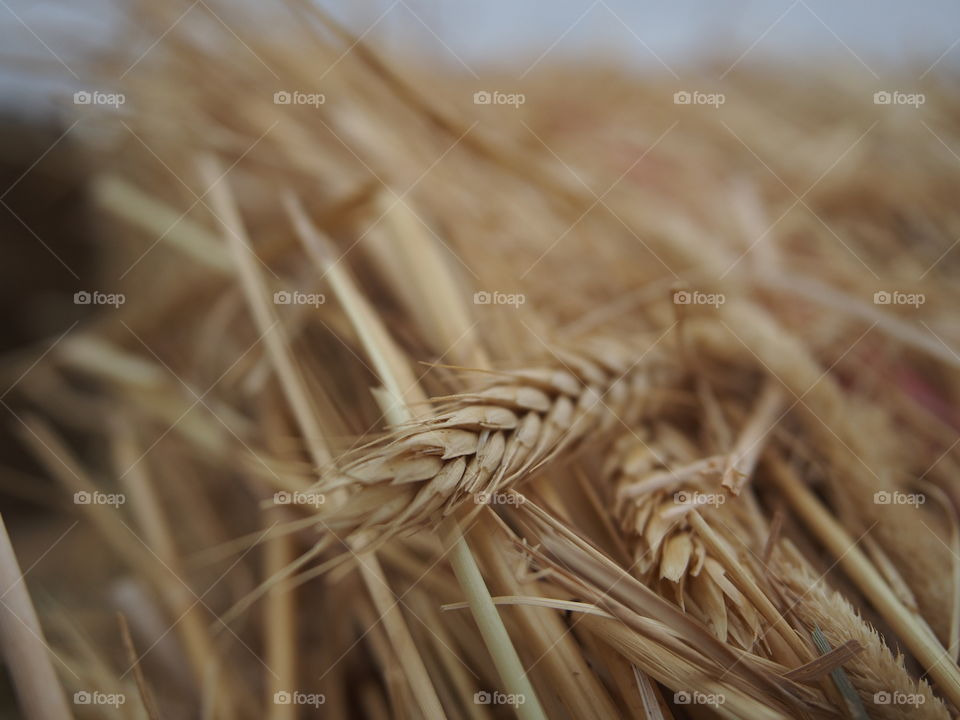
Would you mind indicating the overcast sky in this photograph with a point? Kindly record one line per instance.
(666, 35)
(677, 32)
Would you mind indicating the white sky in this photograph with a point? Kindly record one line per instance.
(874, 35)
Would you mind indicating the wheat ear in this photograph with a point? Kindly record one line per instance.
(481, 442)
(875, 672)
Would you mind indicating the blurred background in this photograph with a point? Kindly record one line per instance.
(45, 46)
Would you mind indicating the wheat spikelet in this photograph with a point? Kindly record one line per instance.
(658, 481)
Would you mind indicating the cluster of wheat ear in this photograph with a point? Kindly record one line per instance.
(425, 409)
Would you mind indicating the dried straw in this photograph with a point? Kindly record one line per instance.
(541, 463)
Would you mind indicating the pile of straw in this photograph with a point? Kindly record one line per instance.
(581, 408)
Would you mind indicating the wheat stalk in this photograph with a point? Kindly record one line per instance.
(25, 650)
